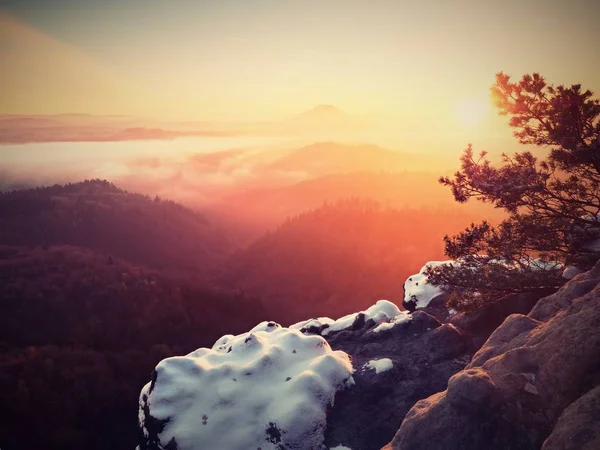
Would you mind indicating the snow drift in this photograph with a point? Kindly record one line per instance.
(268, 388)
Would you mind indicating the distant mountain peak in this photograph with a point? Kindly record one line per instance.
(326, 108)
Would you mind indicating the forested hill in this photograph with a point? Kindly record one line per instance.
(340, 257)
(73, 296)
(250, 212)
(96, 285)
(80, 334)
(98, 215)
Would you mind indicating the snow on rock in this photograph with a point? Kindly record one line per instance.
(418, 292)
(417, 289)
(340, 447)
(384, 313)
(268, 388)
(379, 365)
(540, 264)
(403, 317)
(312, 324)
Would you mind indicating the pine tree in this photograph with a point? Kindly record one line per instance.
(552, 204)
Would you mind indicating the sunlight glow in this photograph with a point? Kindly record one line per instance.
(471, 112)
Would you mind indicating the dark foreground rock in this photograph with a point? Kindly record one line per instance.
(578, 426)
(394, 365)
(533, 384)
(479, 325)
(398, 360)
(424, 354)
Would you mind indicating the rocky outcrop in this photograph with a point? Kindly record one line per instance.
(424, 353)
(479, 325)
(578, 426)
(533, 384)
(422, 380)
(265, 394)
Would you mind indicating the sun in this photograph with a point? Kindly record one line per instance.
(472, 111)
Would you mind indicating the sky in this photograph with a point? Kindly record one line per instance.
(420, 61)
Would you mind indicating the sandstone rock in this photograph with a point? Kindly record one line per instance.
(577, 287)
(435, 423)
(513, 332)
(471, 389)
(578, 426)
(531, 371)
(480, 324)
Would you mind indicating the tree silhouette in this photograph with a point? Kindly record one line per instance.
(553, 204)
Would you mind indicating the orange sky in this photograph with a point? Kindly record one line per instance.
(421, 63)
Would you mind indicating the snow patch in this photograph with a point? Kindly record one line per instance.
(267, 388)
(310, 323)
(340, 447)
(538, 264)
(382, 311)
(379, 365)
(403, 317)
(417, 288)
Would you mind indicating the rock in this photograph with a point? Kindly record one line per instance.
(425, 354)
(471, 389)
(571, 271)
(513, 331)
(419, 294)
(537, 375)
(433, 424)
(437, 307)
(396, 361)
(578, 427)
(577, 287)
(531, 389)
(480, 324)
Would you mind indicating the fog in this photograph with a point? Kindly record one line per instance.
(143, 163)
(168, 167)
(247, 184)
